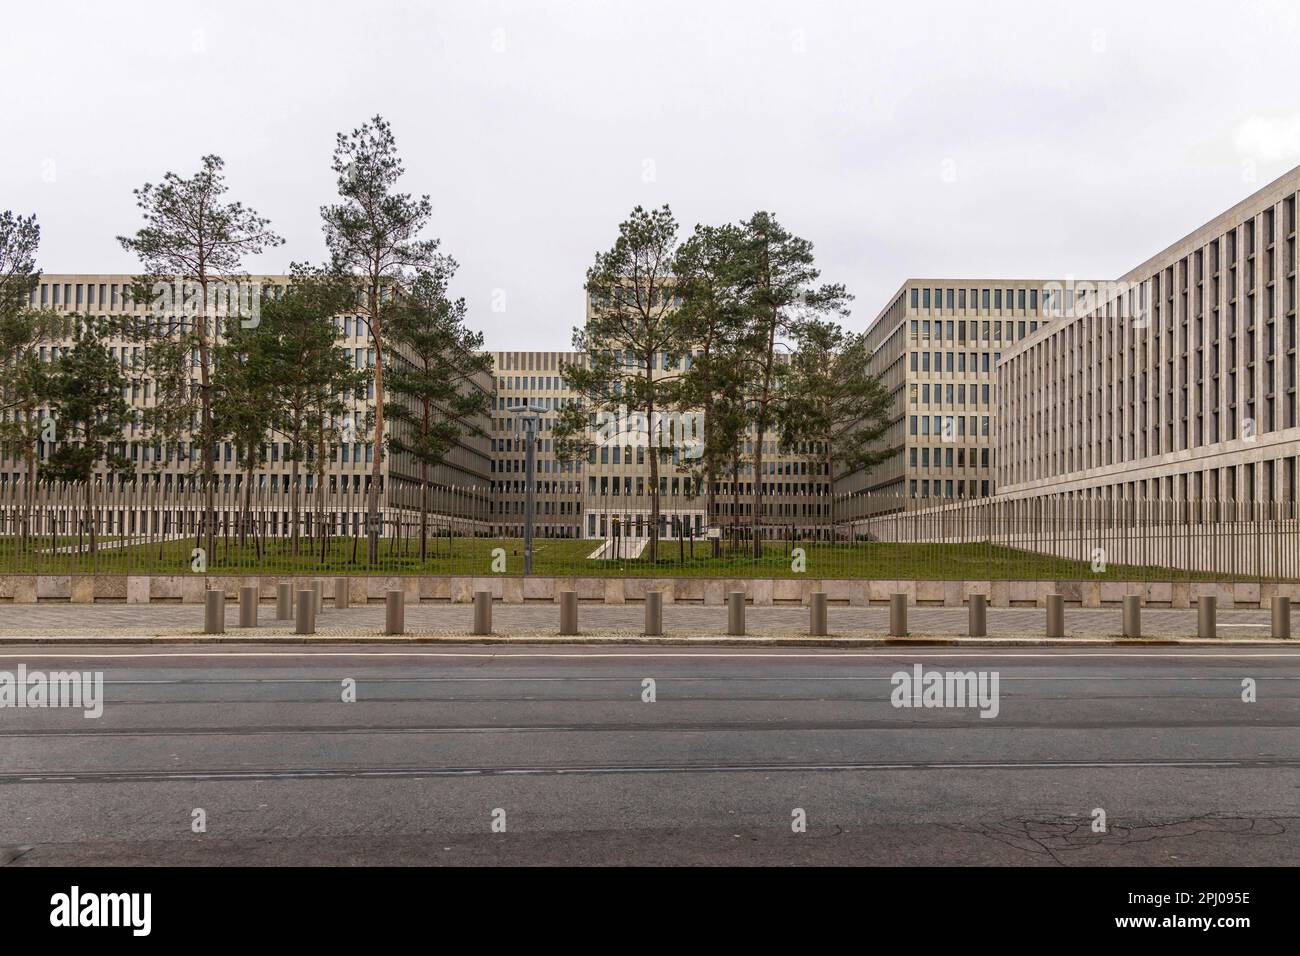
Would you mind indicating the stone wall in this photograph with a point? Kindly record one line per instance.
(188, 589)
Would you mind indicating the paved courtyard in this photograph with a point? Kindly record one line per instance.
(612, 621)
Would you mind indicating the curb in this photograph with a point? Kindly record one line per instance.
(599, 640)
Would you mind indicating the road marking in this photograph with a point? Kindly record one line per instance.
(633, 655)
(636, 678)
(135, 776)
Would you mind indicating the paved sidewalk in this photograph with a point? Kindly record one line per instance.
(122, 621)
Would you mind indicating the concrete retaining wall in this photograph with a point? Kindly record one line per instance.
(188, 589)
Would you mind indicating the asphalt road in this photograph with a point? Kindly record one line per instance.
(712, 772)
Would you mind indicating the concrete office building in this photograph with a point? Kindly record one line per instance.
(936, 346)
(1177, 382)
(609, 487)
(467, 467)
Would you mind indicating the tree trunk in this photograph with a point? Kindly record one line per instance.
(293, 495)
(424, 511)
(376, 468)
(735, 500)
(94, 541)
(30, 503)
(654, 462)
(246, 517)
(710, 492)
(205, 423)
(424, 486)
(320, 482)
(830, 493)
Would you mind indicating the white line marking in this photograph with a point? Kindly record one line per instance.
(538, 655)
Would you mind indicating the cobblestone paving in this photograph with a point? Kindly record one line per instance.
(597, 620)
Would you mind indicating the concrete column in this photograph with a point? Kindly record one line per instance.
(1207, 606)
(736, 613)
(1281, 617)
(654, 613)
(977, 616)
(482, 612)
(248, 607)
(898, 615)
(817, 614)
(283, 601)
(1055, 615)
(340, 592)
(1132, 616)
(394, 612)
(214, 611)
(568, 612)
(305, 612)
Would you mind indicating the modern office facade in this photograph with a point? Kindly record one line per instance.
(482, 478)
(609, 489)
(465, 474)
(936, 347)
(1177, 382)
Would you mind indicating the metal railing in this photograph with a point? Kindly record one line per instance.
(150, 529)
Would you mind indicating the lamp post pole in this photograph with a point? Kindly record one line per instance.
(529, 421)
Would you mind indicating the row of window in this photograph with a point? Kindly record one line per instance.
(948, 427)
(927, 457)
(948, 488)
(980, 362)
(972, 330)
(947, 394)
(985, 300)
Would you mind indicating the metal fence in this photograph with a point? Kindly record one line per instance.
(150, 529)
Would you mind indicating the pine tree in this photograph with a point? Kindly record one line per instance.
(633, 352)
(834, 404)
(90, 411)
(373, 236)
(192, 240)
(432, 378)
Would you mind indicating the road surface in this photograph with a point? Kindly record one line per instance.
(558, 746)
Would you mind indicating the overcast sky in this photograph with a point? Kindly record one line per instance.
(970, 140)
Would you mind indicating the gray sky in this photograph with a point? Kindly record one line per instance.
(1031, 139)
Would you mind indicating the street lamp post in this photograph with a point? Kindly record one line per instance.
(529, 420)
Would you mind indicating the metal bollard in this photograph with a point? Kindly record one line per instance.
(817, 614)
(736, 613)
(1055, 615)
(568, 612)
(1282, 617)
(305, 612)
(318, 591)
(654, 613)
(977, 616)
(1207, 606)
(248, 607)
(340, 592)
(1132, 616)
(482, 612)
(394, 612)
(214, 611)
(898, 615)
(283, 601)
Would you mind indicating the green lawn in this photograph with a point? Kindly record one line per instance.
(566, 557)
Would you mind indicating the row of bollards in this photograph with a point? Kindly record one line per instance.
(304, 606)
